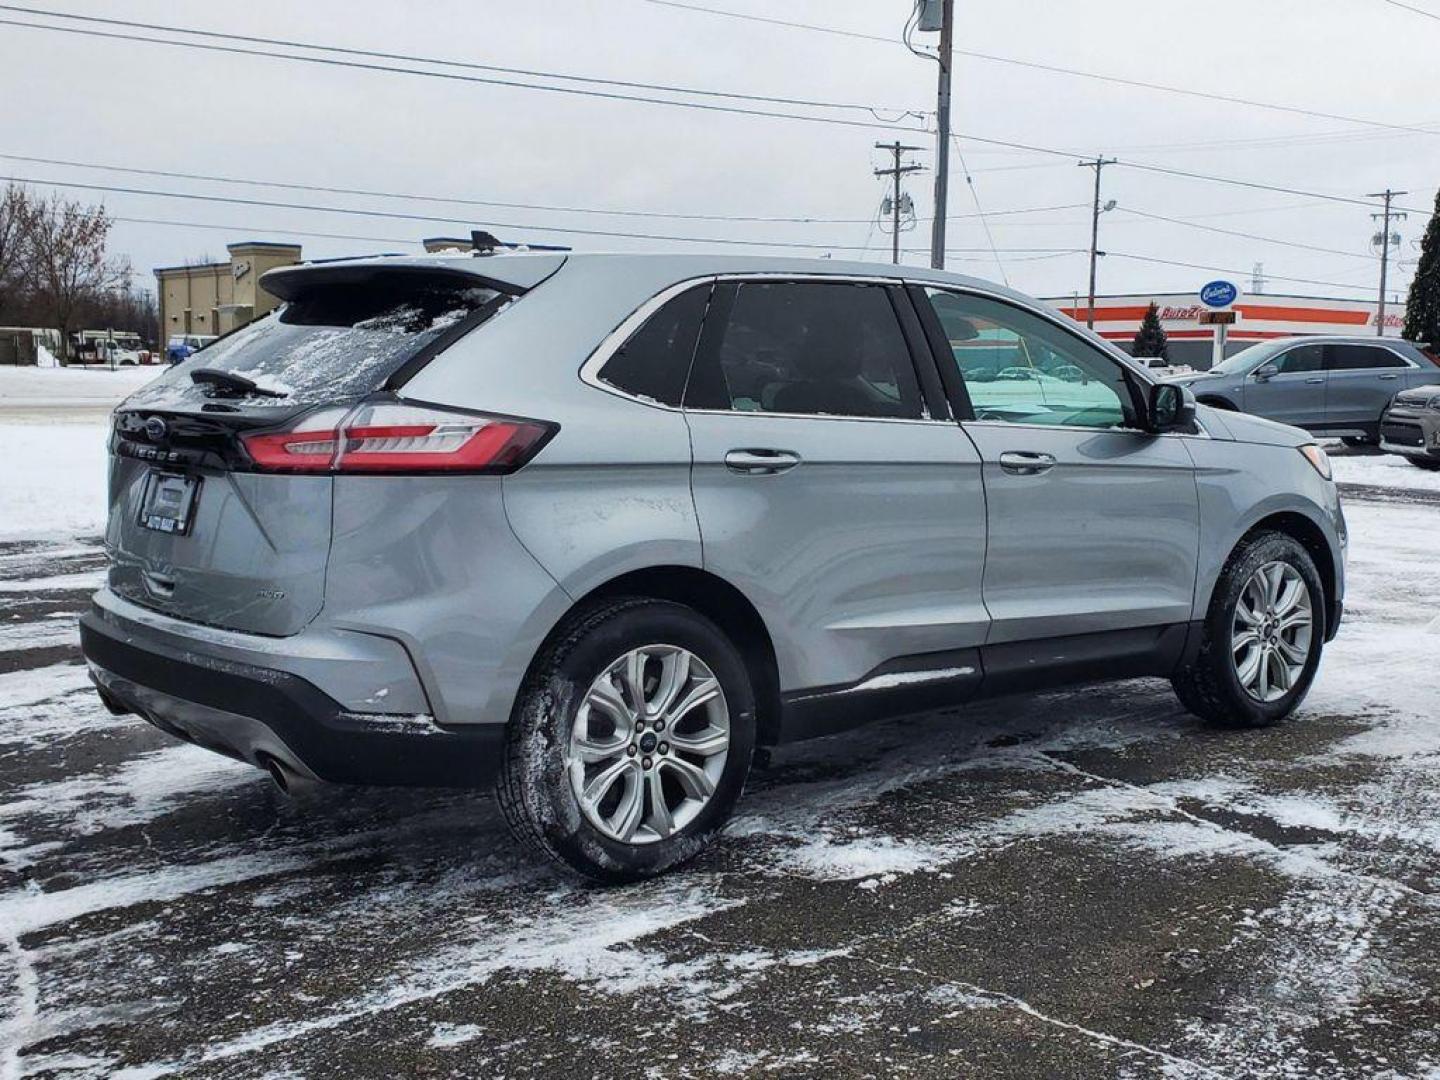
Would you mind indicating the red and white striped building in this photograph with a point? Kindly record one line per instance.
(1261, 318)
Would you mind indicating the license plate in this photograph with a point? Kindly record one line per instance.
(169, 502)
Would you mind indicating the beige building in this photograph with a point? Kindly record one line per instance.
(215, 298)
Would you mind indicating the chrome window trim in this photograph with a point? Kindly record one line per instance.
(1203, 433)
(611, 343)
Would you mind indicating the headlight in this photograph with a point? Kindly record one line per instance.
(1319, 459)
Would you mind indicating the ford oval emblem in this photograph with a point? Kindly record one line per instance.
(1219, 294)
(156, 429)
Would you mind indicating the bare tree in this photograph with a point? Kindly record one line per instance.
(66, 246)
(14, 224)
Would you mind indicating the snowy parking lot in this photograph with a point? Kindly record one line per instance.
(1085, 884)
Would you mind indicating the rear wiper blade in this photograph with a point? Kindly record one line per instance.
(228, 384)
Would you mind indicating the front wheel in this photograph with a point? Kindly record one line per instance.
(1428, 464)
(631, 740)
(1261, 639)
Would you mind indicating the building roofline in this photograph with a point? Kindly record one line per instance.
(263, 244)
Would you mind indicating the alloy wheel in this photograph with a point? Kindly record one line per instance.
(649, 744)
(1271, 631)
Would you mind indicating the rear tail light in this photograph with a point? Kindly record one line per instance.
(390, 437)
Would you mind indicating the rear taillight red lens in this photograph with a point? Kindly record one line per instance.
(392, 437)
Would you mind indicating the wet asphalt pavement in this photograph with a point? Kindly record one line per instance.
(1083, 884)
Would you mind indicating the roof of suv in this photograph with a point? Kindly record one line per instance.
(525, 270)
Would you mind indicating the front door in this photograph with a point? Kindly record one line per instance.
(1290, 387)
(1093, 524)
(848, 511)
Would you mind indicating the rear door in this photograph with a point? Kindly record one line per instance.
(830, 487)
(195, 530)
(1295, 394)
(1093, 524)
(1361, 379)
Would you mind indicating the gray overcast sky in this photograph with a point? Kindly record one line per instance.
(142, 105)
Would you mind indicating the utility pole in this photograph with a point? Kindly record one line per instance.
(1385, 217)
(1098, 165)
(942, 136)
(896, 171)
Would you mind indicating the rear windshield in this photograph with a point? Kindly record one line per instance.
(333, 342)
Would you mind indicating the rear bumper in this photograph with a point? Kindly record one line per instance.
(259, 714)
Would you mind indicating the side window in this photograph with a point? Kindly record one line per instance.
(1361, 358)
(655, 361)
(812, 348)
(1023, 369)
(1300, 359)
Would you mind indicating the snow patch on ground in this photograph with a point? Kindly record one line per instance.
(139, 791)
(1388, 470)
(56, 386)
(54, 478)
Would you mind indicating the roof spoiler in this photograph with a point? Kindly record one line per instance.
(510, 276)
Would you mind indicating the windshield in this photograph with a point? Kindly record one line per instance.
(328, 344)
(1246, 360)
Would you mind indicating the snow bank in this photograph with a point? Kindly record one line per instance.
(53, 480)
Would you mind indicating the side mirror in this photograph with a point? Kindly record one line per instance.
(1266, 372)
(1172, 408)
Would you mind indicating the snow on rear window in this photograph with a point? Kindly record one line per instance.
(335, 342)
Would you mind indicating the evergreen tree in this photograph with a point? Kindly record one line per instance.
(1422, 311)
(1151, 340)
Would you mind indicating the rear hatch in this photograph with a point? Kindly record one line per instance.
(199, 528)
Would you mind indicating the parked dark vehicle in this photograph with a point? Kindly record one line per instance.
(1330, 386)
(1411, 426)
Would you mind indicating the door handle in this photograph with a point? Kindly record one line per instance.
(1389, 377)
(1314, 382)
(1025, 463)
(761, 462)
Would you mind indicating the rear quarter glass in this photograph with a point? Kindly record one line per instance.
(332, 343)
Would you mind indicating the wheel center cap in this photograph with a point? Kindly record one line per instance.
(648, 742)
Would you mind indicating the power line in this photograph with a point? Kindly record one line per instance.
(444, 62)
(769, 114)
(984, 221)
(1411, 7)
(458, 201)
(1057, 69)
(1244, 235)
(398, 216)
(1255, 185)
(1229, 270)
(455, 77)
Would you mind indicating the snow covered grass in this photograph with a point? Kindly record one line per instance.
(52, 483)
(39, 386)
(1386, 471)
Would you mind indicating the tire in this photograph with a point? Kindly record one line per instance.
(1211, 686)
(1428, 464)
(540, 783)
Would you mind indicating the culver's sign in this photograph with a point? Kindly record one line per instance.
(1219, 294)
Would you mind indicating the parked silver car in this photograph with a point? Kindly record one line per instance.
(605, 524)
(1411, 426)
(1331, 386)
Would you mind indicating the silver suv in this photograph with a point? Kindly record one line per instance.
(603, 525)
(1336, 387)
